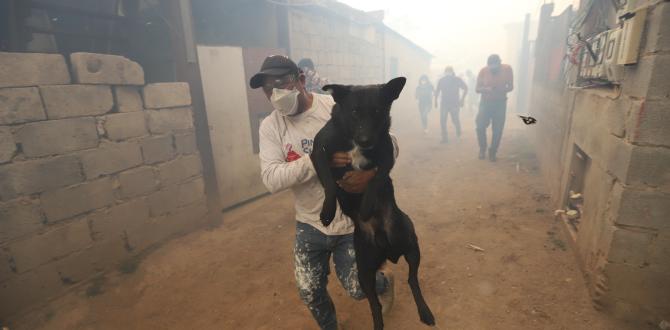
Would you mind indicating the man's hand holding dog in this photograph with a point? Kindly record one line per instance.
(352, 181)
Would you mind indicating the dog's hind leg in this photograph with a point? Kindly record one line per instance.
(413, 258)
(367, 279)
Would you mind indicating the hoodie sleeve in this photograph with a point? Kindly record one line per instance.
(277, 173)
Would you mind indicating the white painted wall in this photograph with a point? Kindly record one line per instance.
(224, 86)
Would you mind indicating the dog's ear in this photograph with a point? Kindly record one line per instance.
(392, 89)
(339, 92)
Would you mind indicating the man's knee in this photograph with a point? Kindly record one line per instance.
(309, 279)
(351, 285)
(358, 296)
(355, 291)
(310, 296)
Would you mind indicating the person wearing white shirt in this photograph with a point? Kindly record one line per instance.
(286, 138)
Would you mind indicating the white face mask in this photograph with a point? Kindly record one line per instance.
(285, 101)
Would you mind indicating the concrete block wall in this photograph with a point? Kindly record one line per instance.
(338, 51)
(624, 234)
(95, 167)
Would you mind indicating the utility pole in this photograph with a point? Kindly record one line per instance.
(522, 75)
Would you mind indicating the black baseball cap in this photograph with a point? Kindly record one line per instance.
(274, 65)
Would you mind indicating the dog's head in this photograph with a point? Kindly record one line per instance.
(363, 112)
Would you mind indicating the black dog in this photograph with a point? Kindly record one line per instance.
(360, 124)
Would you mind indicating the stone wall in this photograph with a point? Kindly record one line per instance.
(94, 169)
(623, 241)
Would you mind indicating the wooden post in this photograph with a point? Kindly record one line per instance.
(188, 70)
(14, 29)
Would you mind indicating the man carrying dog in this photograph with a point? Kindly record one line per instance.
(494, 82)
(286, 138)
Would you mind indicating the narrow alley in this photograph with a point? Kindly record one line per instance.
(240, 275)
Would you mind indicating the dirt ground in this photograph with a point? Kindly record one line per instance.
(240, 275)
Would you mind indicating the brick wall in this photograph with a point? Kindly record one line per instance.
(94, 169)
(623, 240)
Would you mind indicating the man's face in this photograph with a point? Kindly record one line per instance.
(494, 67)
(289, 81)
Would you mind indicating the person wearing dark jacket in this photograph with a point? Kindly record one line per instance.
(424, 94)
(450, 87)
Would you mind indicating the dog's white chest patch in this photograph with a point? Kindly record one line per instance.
(358, 160)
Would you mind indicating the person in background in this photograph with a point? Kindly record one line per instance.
(424, 94)
(286, 138)
(450, 87)
(494, 81)
(313, 82)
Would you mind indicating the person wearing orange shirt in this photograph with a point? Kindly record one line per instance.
(494, 81)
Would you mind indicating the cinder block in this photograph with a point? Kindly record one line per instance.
(121, 126)
(157, 149)
(137, 182)
(116, 221)
(648, 123)
(616, 116)
(650, 166)
(90, 68)
(110, 158)
(19, 217)
(179, 170)
(7, 144)
(659, 252)
(30, 69)
(646, 209)
(158, 229)
(191, 192)
(185, 143)
(166, 95)
(21, 292)
(163, 201)
(168, 120)
(67, 202)
(638, 286)
(57, 136)
(170, 198)
(193, 215)
(36, 250)
(616, 156)
(659, 85)
(127, 99)
(87, 263)
(76, 100)
(646, 79)
(630, 247)
(657, 37)
(20, 105)
(38, 175)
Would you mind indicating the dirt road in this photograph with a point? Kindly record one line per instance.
(240, 275)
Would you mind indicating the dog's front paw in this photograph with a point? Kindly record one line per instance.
(325, 222)
(327, 212)
(326, 218)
